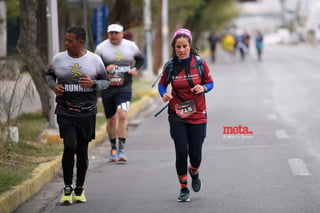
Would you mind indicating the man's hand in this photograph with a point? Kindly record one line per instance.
(133, 71)
(111, 67)
(86, 82)
(58, 89)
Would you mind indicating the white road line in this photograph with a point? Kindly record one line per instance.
(282, 134)
(315, 77)
(240, 147)
(298, 167)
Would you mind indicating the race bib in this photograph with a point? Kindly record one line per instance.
(185, 109)
(116, 79)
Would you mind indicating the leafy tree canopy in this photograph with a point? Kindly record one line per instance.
(13, 11)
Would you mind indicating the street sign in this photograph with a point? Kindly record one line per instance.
(99, 23)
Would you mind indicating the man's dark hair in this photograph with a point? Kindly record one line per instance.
(78, 31)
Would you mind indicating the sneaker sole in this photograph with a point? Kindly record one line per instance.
(80, 201)
(188, 200)
(65, 203)
(122, 160)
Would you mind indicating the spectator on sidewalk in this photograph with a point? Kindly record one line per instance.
(122, 59)
(75, 75)
(190, 79)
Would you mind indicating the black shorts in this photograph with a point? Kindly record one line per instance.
(86, 126)
(119, 100)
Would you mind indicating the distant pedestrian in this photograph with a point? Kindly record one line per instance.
(75, 75)
(213, 39)
(259, 44)
(190, 79)
(242, 43)
(122, 59)
(228, 42)
(246, 39)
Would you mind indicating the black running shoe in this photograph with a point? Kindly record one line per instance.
(196, 182)
(184, 195)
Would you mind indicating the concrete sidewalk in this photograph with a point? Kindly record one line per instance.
(10, 200)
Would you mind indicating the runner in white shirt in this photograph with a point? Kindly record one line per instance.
(122, 59)
(75, 75)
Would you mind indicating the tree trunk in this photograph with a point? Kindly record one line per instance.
(42, 30)
(28, 51)
(157, 44)
(123, 12)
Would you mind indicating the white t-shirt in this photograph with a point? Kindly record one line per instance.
(122, 55)
(67, 71)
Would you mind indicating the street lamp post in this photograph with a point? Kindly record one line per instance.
(53, 47)
(283, 11)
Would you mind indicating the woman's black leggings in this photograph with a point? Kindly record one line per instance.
(74, 144)
(188, 139)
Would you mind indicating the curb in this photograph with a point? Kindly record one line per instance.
(45, 172)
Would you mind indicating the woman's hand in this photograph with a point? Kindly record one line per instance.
(166, 97)
(197, 89)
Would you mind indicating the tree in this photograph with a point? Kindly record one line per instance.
(127, 12)
(211, 14)
(34, 58)
(157, 43)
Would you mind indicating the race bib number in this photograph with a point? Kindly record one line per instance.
(185, 109)
(116, 79)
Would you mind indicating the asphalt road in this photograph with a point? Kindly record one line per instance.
(273, 170)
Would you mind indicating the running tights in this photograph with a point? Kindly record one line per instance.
(188, 139)
(74, 144)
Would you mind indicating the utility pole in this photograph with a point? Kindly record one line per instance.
(283, 12)
(165, 31)
(147, 29)
(53, 47)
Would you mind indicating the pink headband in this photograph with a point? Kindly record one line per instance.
(184, 32)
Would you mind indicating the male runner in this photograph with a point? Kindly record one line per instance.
(122, 59)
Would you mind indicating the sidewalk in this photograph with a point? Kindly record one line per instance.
(10, 200)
